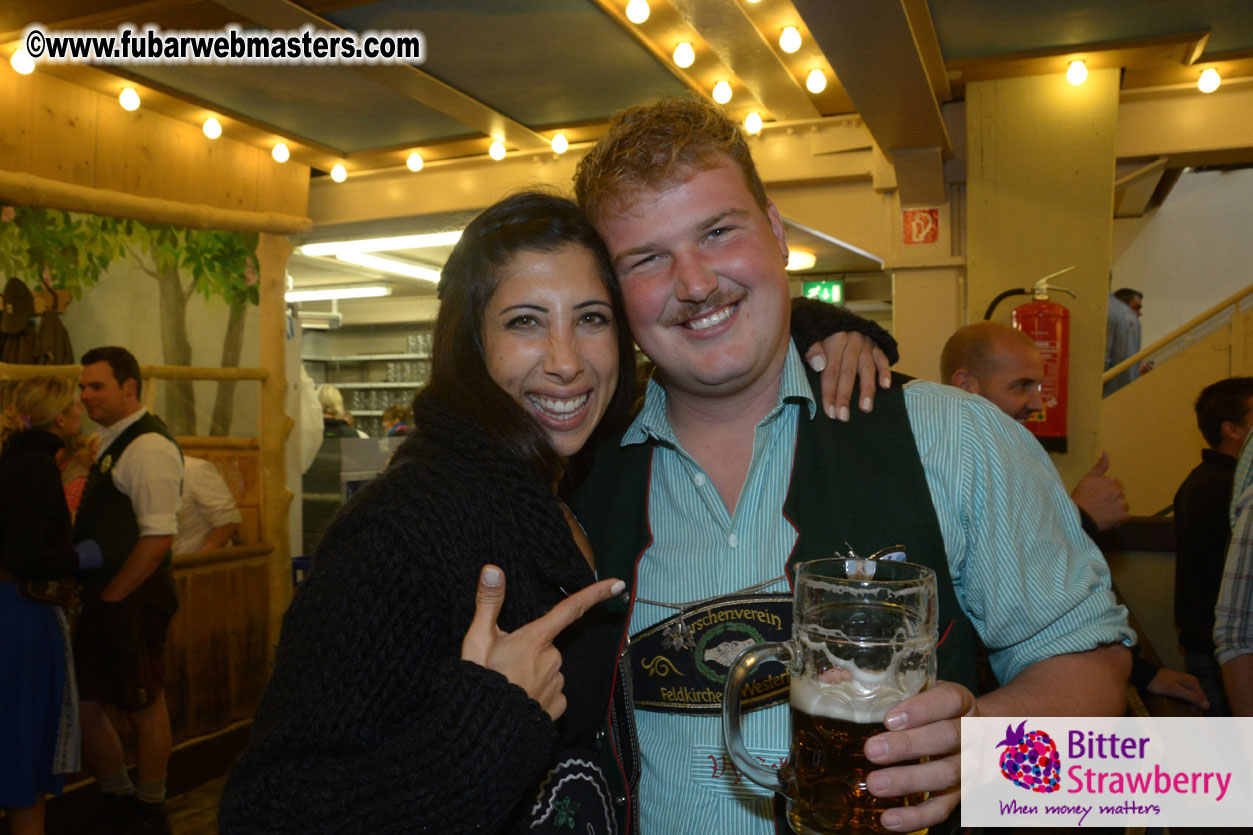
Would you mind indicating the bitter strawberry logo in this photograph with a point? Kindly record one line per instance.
(1030, 760)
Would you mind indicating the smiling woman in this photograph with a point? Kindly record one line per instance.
(531, 243)
(388, 710)
(550, 342)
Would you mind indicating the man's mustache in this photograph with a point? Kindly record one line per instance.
(687, 311)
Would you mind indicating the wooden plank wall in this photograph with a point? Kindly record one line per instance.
(55, 129)
(216, 657)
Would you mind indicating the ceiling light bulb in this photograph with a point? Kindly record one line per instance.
(752, 123)
(129, 99)
(212, 128)
(1076, 73)
(280, 152)
(414, 162)
(560, 144)
(790, 40)
(497, 151)
(684, 55)
(816, 81)
(1210, 79)
(339, 173)
(722, 92)
(637, 11)
(799, 259)
(21, 62)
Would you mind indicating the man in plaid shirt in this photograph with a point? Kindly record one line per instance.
(1233, 617)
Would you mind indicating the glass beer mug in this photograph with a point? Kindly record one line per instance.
(863, 640)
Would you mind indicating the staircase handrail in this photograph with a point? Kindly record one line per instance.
(1199, 319)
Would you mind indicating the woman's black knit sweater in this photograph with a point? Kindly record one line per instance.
(372, 723)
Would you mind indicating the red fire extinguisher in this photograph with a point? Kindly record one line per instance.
(1048, 325)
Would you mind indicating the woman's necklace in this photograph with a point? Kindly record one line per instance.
(580, 535)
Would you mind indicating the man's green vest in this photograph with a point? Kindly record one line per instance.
(106, 514)
(860, 483)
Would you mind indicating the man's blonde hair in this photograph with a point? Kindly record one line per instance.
(653, 145)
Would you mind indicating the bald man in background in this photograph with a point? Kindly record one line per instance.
(1004, 365)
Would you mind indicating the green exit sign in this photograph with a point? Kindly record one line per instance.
(826, 291)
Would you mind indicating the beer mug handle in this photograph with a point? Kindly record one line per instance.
(737, 677)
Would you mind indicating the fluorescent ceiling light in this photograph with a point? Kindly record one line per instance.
(427, 241)
(389, 265)
(329, 293)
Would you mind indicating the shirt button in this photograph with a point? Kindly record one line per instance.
(699, 479)
(733, 540)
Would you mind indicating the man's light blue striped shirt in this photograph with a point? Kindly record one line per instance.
(1031, 582)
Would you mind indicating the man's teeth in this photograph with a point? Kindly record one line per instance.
(712, 319)
(561, 407)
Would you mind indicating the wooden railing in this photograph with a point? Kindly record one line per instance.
(1182, 330)
(148, 372)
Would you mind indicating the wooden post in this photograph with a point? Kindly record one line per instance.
(272, 252)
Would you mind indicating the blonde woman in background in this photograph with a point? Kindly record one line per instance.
(335, 420)
(39, 732)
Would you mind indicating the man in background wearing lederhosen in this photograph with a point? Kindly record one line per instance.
(130, 506)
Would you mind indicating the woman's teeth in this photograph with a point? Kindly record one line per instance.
(560, 408)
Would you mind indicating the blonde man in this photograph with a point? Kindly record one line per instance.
(726, 479)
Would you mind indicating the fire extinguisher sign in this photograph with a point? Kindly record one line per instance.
(920, 226)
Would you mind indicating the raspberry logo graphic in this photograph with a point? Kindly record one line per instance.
(1030, 759)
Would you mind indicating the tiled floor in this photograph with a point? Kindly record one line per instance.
(196, 813)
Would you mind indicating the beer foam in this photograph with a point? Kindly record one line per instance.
(846, 691)
(864, 699)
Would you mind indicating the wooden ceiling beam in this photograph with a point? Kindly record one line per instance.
(109, 19)
(1178, 50)
(1188, 127)
(749, 53)
(408, 80)
(1231, 66)
(928, 43)
(874, 51)
(664, 30)
(1134, 189)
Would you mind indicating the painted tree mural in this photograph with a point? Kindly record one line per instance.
(72, 251)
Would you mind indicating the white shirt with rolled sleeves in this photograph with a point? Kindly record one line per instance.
(207, 504)
(150, 473)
